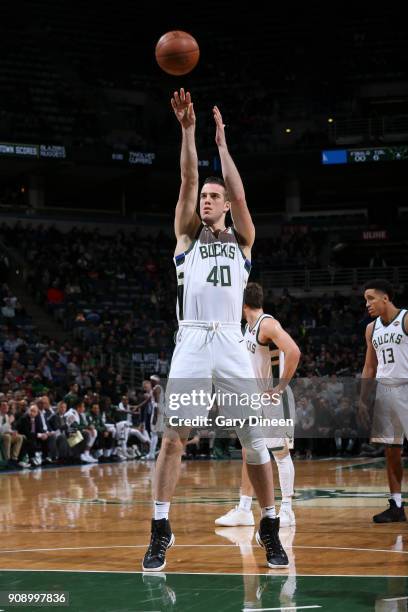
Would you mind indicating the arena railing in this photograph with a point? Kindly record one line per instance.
(328, 278)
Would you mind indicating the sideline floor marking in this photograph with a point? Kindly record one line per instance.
(270, 573)
(21, 550)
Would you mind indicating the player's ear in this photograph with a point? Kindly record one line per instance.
(227, 205)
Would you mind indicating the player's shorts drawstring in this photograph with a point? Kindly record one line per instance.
(213, 328)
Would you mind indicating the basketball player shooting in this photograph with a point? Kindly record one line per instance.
(212, 265)
(387, 362)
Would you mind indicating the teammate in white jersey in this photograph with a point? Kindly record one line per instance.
(274, 355)
(387, 362)
(212, 266)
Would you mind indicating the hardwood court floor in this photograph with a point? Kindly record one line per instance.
(97, 519)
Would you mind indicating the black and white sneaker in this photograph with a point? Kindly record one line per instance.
(268, 538)
(161, 539)
(393, 514)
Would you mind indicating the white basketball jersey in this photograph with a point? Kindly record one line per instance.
(390, 343)
(268, 363)
(266, 359)
(211, 277)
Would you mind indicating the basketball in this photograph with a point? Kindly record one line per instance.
(177, 52)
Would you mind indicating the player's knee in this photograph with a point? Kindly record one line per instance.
(253, 445)
(256, 452)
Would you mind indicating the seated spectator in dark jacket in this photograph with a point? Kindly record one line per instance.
(49, 444)
(30, 426)
(58, 424)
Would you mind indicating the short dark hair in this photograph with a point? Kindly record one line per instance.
(217, 180)
(381, 284)
(253, 296)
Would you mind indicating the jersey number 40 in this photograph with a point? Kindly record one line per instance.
(220, 275)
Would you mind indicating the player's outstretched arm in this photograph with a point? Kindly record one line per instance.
(272, 331)
(369, 372)
(186, 220)
(235, 188)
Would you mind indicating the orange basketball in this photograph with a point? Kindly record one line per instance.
(177, 52)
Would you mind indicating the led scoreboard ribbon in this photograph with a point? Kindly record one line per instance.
(32, 151)
(374, 154)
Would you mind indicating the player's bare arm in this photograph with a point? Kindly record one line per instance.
(139, 406)
(239, 210)
(186, 220)
(369, 372)
(270, 330)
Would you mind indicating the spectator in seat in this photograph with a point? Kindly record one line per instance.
(105, 439)
(12, 441)
(30, 426)
(58, 424)
(77, 420)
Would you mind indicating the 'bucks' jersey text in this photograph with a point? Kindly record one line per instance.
(390, 343)
(211, 277)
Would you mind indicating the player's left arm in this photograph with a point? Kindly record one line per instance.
(272, 331)
(235, 188)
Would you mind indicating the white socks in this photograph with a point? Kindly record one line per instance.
(245, 503)
(397, 497)
(269, 511)
(161, 510)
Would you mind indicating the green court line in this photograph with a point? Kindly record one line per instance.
(135, 592)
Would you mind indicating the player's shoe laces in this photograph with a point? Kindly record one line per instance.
(393, 514)
(236, 517)
(286, 516)
(268, 538)
(161, 539)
